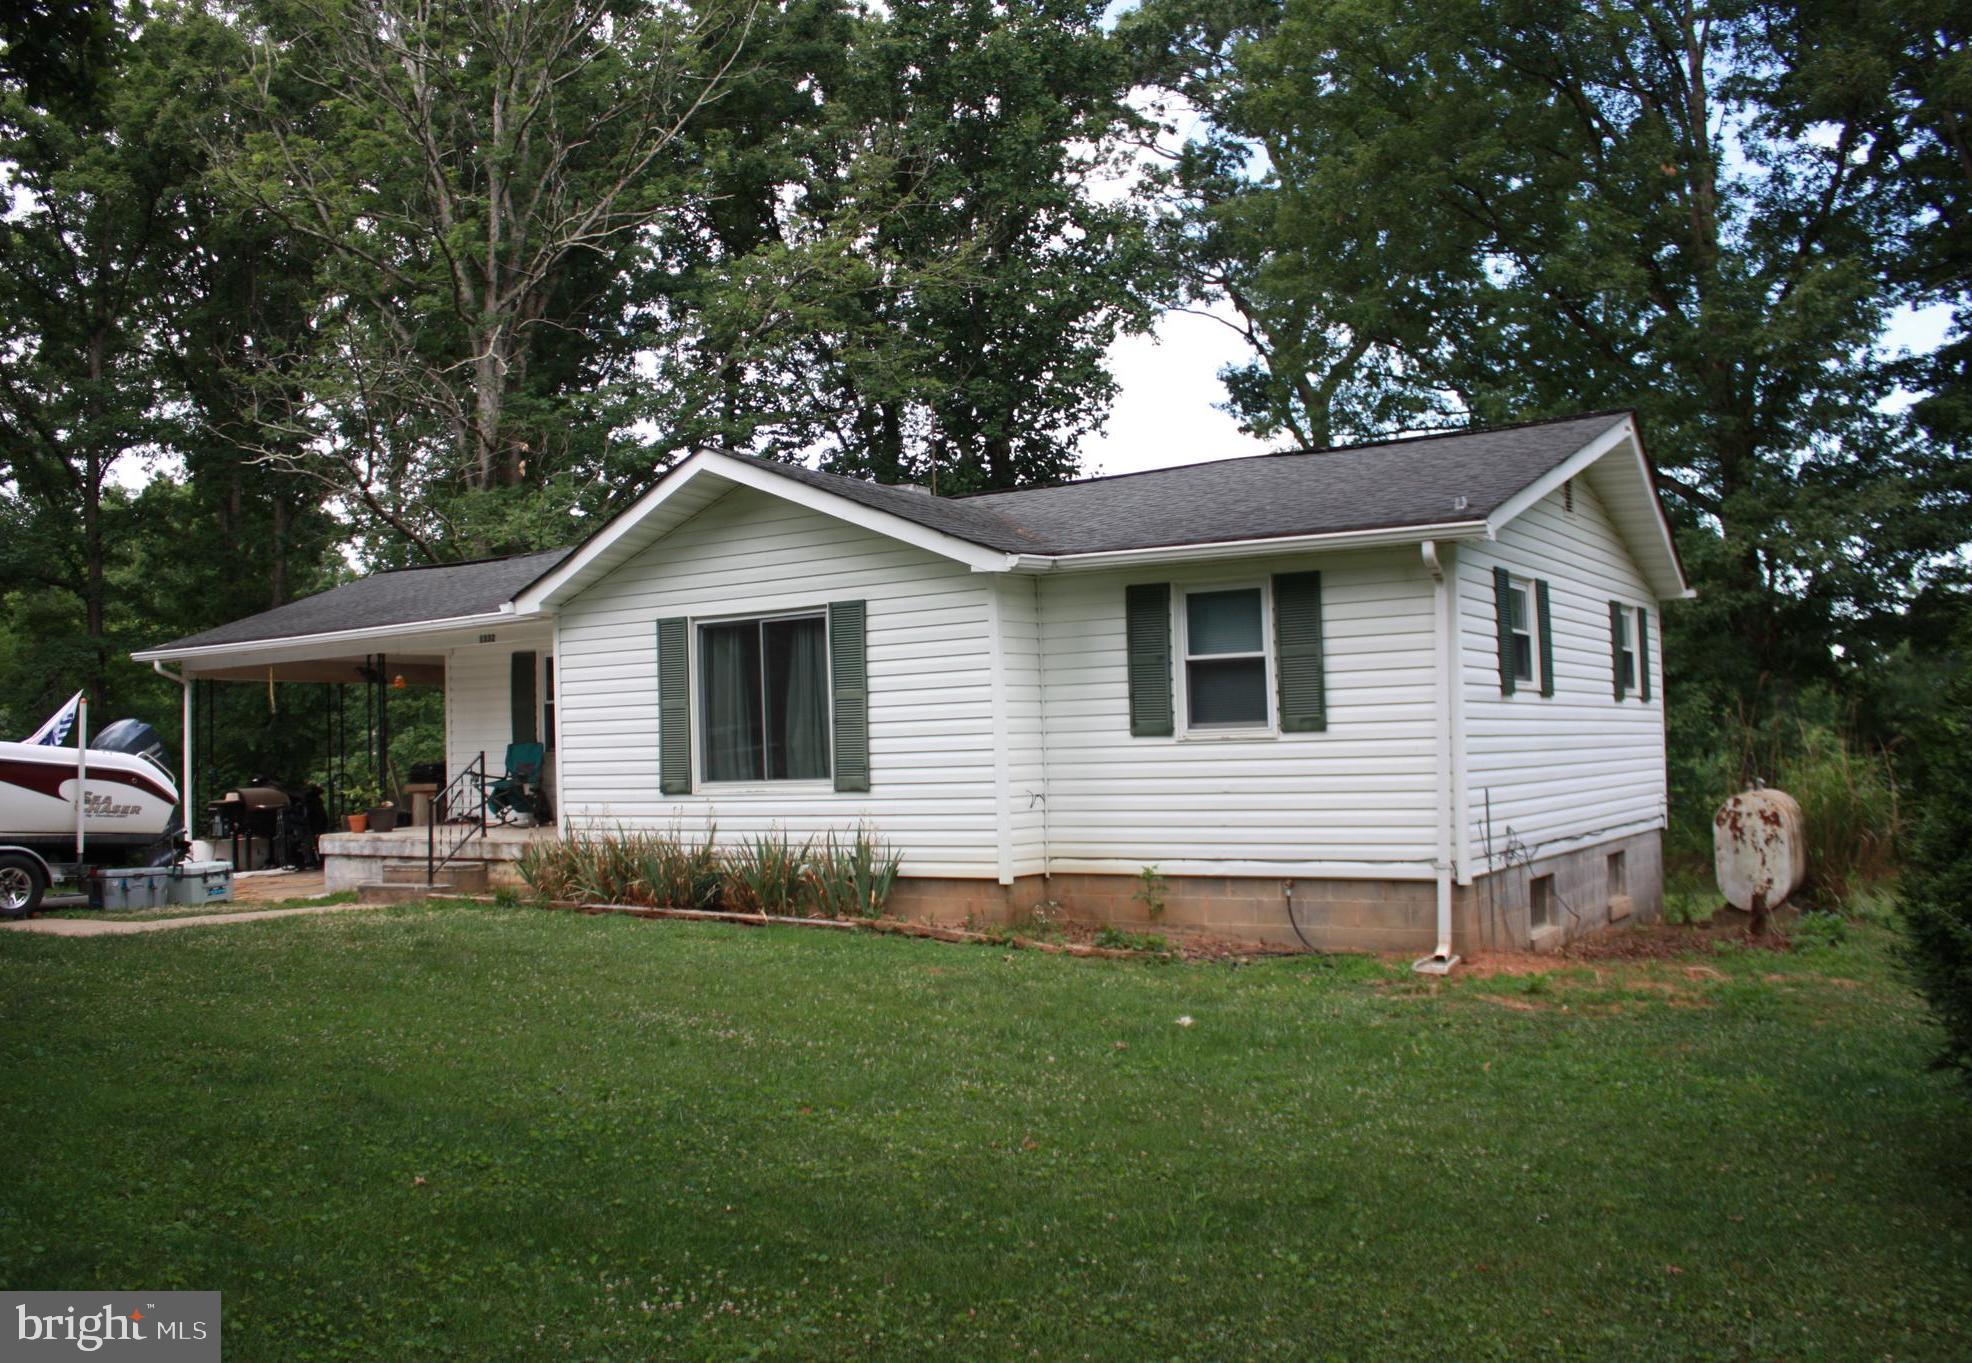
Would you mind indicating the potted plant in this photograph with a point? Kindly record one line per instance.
(359, 794)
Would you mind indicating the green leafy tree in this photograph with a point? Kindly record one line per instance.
(994, 281)
(1901, 71)
(1472, 212)
(902, 266)
(91, 222)
(477, 178)
(1937, 886)
(52, 51)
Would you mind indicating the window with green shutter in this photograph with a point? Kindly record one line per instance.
(1298, 662)
(763, 695)
(849, 701)
(1643, 653)
(1546, 622)
(1503, 616)
(674, 707)
(1147, 629)
(1622, 655)
(1225, 658)
(1526, 633)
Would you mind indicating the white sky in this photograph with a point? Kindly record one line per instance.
(1167, 403)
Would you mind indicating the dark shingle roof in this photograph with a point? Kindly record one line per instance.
(1364, 487)
(966, 518)
(401, 597)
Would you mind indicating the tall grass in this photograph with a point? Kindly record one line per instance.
(836, 877)
(1848, 794)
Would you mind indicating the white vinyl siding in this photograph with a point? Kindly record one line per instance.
(1361, 793)
(1026, 763)
(479, 713)
(931, 731)
(1579, 766)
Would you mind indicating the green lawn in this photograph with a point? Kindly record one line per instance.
(480, 1133)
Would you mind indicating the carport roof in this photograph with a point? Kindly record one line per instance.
(401, 596)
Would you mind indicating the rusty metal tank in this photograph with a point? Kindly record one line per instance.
(1759, 849)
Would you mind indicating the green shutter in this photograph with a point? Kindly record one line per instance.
(674, 707)
(521, 692)
(1502, 609)
(1546, 635)
(849, 694)
(1616, 646)
(1147, 626)
(1643, 653)
(1298, 652)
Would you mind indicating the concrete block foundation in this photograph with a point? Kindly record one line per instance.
(1538, 905)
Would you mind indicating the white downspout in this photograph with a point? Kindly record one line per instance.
(184, 742)
(1441, 960)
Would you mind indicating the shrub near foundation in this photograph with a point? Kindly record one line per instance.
(836, 877)
(765, 874)
(852, 880)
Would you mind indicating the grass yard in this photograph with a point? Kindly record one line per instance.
(482, 1133)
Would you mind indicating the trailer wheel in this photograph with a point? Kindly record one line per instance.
(22, 883)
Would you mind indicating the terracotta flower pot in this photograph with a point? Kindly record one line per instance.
(357, 823)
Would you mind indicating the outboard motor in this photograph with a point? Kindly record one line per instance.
(132, 736)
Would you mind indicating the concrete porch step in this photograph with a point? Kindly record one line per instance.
(465, 876)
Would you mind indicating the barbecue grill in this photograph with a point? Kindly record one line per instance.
(268, 824)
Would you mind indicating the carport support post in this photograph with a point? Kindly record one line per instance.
(81, 774)
(186, 749)
(383, 729)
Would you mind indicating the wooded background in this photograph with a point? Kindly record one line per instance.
(293, 288)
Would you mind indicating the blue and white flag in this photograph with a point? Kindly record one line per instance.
(60, 725)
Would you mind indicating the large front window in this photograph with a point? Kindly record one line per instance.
(1226, 659)
(765, 692)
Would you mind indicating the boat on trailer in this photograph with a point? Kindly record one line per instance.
(128, 815)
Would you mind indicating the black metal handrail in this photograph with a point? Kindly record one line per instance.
(470, 786)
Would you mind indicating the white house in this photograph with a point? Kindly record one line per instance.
(1404, 695)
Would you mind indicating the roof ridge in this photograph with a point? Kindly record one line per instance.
(921, 495)
(1281, 454)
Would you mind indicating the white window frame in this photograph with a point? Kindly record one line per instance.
(1533, 682)
(1181, 636)
(694, 661)
(1627, 651)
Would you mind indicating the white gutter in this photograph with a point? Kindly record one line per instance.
(1441, 961)
(185, 741)
(1220, 549)
(505, 616)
